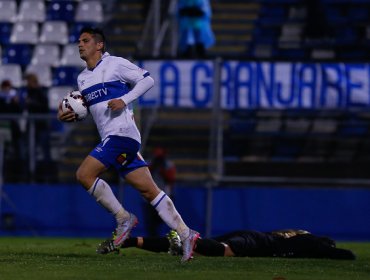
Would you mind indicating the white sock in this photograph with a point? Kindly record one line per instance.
(167, 211)
(105, 197)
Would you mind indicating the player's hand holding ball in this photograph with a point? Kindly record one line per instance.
(72, 108)
(65, 116)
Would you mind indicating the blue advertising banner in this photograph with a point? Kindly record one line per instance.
(275, 85)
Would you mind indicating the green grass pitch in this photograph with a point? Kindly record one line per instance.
(75, 258)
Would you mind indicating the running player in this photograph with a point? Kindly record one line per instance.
(109, 85)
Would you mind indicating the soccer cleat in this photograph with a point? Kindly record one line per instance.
(123, 230)
(175, 243)
(106, 247)
(188, 246)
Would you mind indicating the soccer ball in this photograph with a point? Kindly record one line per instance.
(75, 102)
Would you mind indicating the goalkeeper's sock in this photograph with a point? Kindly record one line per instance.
(167, 211)
(156, 244)
(104, 196)
(209, 247)
(130, 242)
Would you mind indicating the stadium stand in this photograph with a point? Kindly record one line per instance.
(8, 11)
(55, 32)
(253, 30)
(17, 53)
(46, 54)
(12, 72)
(25, 33)
(56, 93)
(309, 144)
(61, 11)
(89, 11)
(5, 31)
(43, 73)
(31, 10)
(71, 56)
(65, 75)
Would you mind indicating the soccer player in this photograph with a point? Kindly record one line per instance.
(109, 85)
(246, 243)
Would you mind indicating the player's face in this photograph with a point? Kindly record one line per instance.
(87, 46)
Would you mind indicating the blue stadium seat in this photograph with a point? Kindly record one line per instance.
(353, 128)
(345, 36)
(295, 54)
(61, 10)
(75, 28)
(5, 31)
(17, 53)
(358, 14)
(287, 150)
(65, 76)
(336, 16)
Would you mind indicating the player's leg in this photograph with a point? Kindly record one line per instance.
(142, 180)
(153, 244)
(87, 174)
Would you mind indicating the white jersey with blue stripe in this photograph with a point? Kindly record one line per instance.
(112, 78)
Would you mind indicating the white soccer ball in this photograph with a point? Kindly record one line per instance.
(75, 102)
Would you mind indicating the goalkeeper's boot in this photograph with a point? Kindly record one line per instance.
(188, 245)
(123, 230)
(106, 247)
(175, 243)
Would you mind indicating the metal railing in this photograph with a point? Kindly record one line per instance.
(157, 24)
(28, 133)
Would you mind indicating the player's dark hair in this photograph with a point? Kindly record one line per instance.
(96, 33)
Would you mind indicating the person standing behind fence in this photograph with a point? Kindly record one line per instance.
(37, 102)
(10, 103)
(195, 32)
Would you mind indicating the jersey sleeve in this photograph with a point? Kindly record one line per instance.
(131, 73)
(138, 78)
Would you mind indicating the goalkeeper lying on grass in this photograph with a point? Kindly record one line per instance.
(247, 243)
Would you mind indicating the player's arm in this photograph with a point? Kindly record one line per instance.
(67, 116)
(141, 87)
(138, 78)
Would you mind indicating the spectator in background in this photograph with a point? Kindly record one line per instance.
(164, 173)
(9, 98)
(195, 32)
(37, 103)
(10, 103)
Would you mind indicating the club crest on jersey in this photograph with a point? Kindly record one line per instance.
(122, 159)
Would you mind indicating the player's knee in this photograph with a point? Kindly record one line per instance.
(149, 194)
(83, 178)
